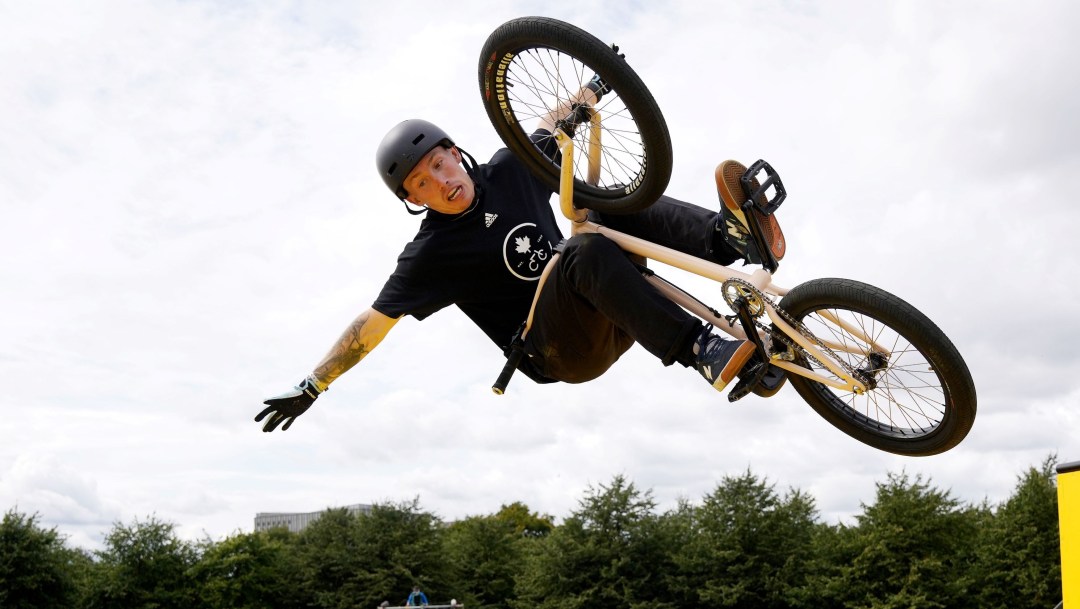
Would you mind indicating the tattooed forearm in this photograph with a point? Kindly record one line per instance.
(346, 353)
(362, 335)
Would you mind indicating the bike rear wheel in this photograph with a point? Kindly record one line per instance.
(921, 399)
(532, 65)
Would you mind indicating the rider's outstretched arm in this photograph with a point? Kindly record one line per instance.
(362, 335)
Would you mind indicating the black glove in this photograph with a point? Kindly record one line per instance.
(287, 406)
(598, 85)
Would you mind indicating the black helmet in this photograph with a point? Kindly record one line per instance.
(403, 147)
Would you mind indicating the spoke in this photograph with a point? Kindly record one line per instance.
(542, 79)
(908, 398)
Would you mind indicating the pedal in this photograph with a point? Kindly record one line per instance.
(738, 392)
(771, 383)
(748, 379)
(763, 380)
(757, 189)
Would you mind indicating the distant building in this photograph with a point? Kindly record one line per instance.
(297, 522)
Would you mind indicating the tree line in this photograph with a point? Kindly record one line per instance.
(744, 545)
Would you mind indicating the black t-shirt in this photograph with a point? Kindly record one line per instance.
(487, 260)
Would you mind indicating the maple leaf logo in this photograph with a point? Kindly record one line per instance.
(523, 245)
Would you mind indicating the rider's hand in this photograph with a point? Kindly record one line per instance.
(289, 405)
(598, 85)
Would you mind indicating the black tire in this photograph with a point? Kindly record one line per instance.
(530, 64)
(923, 400)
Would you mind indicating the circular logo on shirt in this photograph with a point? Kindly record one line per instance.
(526, 251)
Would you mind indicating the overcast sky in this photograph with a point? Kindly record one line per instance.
(192, 216)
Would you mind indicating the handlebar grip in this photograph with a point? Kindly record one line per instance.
(512, 362)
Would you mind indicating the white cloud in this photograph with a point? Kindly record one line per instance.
(193, 220)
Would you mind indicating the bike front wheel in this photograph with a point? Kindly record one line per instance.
(921, 397)
(532, 66)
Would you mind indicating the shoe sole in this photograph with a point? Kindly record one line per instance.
(732, 195)
(735, 364)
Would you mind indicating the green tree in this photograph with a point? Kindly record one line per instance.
(1019, 554)
(525, 522)
(677, 529)
(748, 546)
(611, 552)
(144, 566)
(913, 548)
(359, 561)
(330, 560)
(249, 571)
(484, 555)
(34, 565)
(83, 569)
(403, 545)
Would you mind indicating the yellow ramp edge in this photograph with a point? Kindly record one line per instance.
(1068, 485)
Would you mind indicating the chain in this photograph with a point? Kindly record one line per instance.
(798, 325)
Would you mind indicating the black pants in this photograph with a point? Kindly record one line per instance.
(596, 303)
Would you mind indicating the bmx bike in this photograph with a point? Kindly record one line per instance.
(867, 361)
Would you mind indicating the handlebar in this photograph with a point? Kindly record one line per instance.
(512, 362)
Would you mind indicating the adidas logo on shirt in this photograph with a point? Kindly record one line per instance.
(489, 219)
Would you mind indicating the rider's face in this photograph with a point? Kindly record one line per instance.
(440, 182)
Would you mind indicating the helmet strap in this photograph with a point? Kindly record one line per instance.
(470, 167)
(415, 212)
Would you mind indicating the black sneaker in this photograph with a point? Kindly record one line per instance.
(719, 359)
